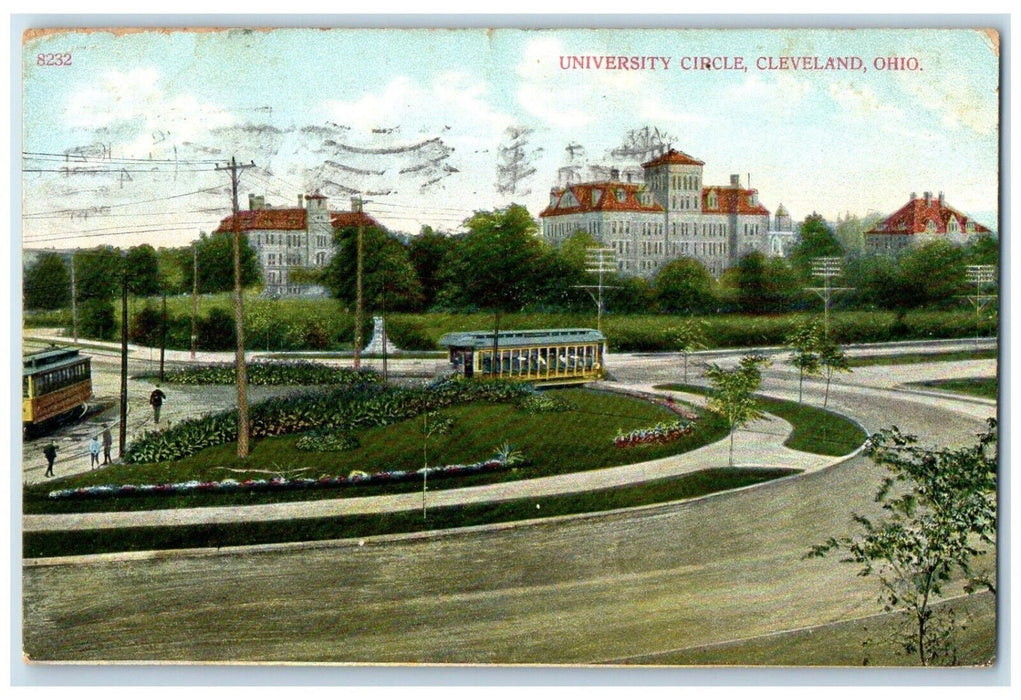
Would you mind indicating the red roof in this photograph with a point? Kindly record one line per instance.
(673, 157)
(290, 220)
(597, 196)
(917, 215)
(725, 200)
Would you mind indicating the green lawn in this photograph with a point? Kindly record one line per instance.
(52, 544)
(983, 387)
(816, 430)
(920, 357)
(555, 443)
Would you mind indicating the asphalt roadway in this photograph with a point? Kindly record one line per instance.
(627, 587)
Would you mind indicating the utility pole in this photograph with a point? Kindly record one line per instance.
(239, 311)
(598, 261)
(123, 436)
(359, 302)
(194, 297)
(74, 300)
(980, 276)
(163, 333)
(827, 268)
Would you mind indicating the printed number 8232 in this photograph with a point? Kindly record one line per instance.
(53, 59)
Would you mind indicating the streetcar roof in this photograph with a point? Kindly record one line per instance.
(513, 339)
(54, 358)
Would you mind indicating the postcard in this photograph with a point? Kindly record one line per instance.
(535, 347)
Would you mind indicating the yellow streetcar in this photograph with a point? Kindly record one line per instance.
(544, 357)
(53, 383)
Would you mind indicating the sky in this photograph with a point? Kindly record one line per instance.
(122, 146)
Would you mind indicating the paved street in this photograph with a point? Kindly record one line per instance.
(588, 589)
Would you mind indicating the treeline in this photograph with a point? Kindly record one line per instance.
(500, 265)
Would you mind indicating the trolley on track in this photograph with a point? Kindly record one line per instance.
(550, 356)
(54, 383)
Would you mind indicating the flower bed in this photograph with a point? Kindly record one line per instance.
(658, 434)
(355, 478)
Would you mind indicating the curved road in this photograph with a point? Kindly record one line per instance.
(598, 589)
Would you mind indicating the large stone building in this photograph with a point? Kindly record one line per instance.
(671, 214)
(288, 238)
(921, 220)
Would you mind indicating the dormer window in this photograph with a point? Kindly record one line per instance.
(713, 202)
(970, 227)
(621, 195)
(930, 227)
(595, 197)
(953, 226)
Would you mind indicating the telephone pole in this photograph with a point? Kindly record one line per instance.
(598, 261)
(163, 333)
(981, 276)
(123, 433)
(239, 312)
(194, 296)
(827, 268)
(74, 300)
(359, 303)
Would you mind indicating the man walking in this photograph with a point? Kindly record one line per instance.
(51, 455)
(156, 399)
(107, 444)
(94, 451)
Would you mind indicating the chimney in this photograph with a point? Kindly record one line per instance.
(914, 196)
(941, 200)
(629, 177)
(356, 204)
(614, 174)
(735, 181)
(928, 198)
(251, 202)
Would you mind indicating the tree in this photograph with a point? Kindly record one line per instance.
(47, 283)
(429, 252)
(832, 359)
(98, 273)
(731, 393)
(940, 510)
(690, 337)
(815, 240)
(983, 249)
(388, 277)
(934, 272)
(432, 424)
(765, 285)
(142, 268)
(804, 342)
(96, 319)
(685, 286)
(216, 264)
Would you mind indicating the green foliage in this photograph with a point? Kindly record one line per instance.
(731, 395)
(297, 373)
(544, 402)
(832, 360)
(47, 283)
(983, 249)
(685, 286)
(939, 512)
(327, 441)
(216, 264)
(142, 268)
(346, 407)
(690, 337)
(146, 327)
(934, 273)
(766, 285)
(98, 273)
(216, 330)
(429, 252)
(815, 240)
(388, 278)
(804, 342)
(96, 319)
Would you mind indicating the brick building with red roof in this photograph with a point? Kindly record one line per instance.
(921, 220)
(287, 238)
(671, 214)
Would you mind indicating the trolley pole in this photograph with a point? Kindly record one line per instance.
(827, 268)
(123, 433)
(239, 312)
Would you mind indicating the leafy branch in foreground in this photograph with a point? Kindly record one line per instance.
(940, 513)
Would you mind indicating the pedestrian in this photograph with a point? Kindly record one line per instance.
(94, 451)
(107, 444)
(51, 455)
(156, 399)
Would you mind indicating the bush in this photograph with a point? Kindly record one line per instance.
(146, 327)
(327, 441)
(216, 330)
(273, 374)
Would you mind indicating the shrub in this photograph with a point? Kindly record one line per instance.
(544, 402)
(327, 441)
(96, 319)
(216, 330)
(294, 373)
